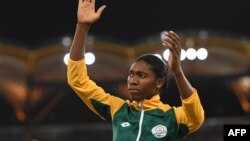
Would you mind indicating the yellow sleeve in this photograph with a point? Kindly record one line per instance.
(92, 95)
(191, 112)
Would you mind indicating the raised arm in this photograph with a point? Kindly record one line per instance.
(86, 15)
(171, 41)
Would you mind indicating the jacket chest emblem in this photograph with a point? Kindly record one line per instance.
(159, 131)
(125, 124)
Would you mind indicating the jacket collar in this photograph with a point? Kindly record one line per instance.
(148, 104)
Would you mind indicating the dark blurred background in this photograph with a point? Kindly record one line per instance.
(36, 104)
(34, 22)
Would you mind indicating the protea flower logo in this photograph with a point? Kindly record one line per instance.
(159, 131)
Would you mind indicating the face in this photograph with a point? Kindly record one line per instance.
(142, 81)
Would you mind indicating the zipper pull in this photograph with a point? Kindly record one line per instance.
(140, 105)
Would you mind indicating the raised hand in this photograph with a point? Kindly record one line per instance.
(86, 13)
(171, 41)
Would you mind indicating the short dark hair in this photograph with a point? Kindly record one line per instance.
(158, 66)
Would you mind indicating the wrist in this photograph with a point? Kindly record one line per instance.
(83, 26)
(178, 73)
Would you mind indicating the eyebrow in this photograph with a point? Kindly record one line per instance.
(136, 72)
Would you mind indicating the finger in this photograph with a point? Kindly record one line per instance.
(101, 9)
(176, 39)
(170, 41)
(174, 34)
(174, 48)
(170, 46)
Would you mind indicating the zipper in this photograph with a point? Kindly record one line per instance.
(140, 123)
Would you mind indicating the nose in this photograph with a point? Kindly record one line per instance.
(132, 81)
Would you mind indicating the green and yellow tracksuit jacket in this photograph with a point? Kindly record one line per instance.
(148, 120)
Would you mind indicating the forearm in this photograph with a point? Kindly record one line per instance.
(77, 50)
(184, 87)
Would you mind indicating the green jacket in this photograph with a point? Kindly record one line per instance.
(148, 120)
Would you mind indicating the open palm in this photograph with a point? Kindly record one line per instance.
(86, 13)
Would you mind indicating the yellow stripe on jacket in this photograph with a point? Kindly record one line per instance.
(87, 89)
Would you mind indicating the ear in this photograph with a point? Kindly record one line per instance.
(159, 83)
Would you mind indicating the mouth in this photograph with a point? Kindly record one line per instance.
(132, 90)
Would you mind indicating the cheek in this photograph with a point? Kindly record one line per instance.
(148, 87)
(128, 79)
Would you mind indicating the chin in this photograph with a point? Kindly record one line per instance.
(133, 98)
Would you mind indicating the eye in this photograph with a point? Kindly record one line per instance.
(142, 75)
(130, 74)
